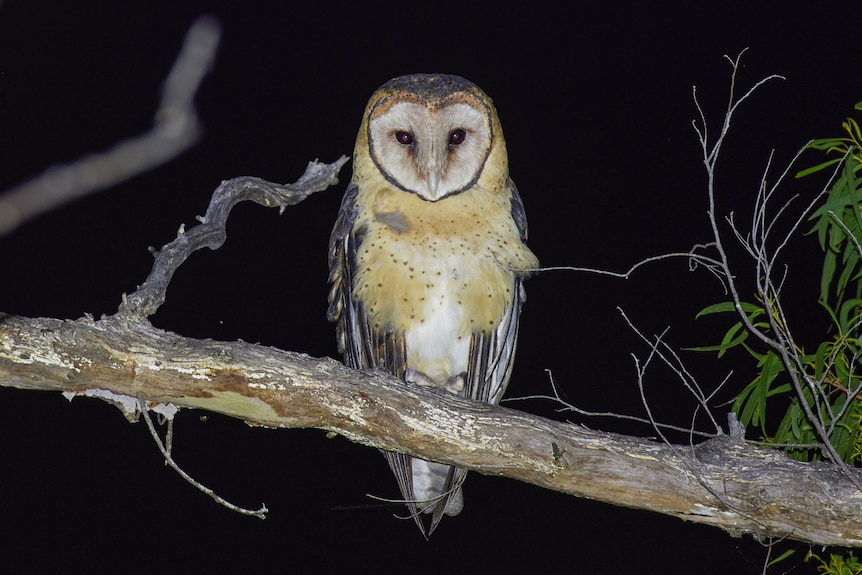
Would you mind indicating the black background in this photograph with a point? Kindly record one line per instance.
(596, 106)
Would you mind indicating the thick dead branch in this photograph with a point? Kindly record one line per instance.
(122, 358)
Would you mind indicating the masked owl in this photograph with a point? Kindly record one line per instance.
(428, 256)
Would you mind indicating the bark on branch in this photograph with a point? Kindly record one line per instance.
(119, 358)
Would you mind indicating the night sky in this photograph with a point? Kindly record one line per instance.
(596, 106)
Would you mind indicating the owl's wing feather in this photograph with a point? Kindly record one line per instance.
(364, 346)
(402, 468)
(518, 213)
(492, 354)
(339, 268)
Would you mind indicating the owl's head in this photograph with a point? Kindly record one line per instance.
(431, 135)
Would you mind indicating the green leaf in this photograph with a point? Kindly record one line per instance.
(829, 311)
(750, 405)
(817, 168)
(726, 343)
(826, 143)
(781, 557)
(829, 266)
(853, 184)
(824, 352)
(726, 306)
(849, 314)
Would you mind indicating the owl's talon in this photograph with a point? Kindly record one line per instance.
(419, 378)
(455, 384)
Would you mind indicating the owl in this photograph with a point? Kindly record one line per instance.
(428, 256)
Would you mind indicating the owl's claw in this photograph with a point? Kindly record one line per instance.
(417, 377)
(455, 384)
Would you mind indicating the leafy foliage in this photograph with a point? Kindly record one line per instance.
(837, 564)
(832, 372)
(839, 221)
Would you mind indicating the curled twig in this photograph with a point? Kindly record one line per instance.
(211, 232)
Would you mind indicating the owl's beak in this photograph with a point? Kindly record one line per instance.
(431, 170)
(433, 182)
(432, 166)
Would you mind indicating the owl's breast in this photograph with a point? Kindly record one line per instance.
(453, 262)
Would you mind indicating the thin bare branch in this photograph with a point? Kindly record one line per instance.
(169, 461)
(674, 363)
(566, 406)
(694, 257)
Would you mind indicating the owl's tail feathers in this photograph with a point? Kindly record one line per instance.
(429, 488)
(450, 500)
(435, 490)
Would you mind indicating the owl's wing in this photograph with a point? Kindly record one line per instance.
(340, 274)
(492, 354)
(363, 345)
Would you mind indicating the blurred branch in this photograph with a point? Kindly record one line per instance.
(176, 129)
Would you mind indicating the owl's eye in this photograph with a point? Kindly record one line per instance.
(404, 138)
(457, 137)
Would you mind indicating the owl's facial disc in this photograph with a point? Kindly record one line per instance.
(432, 152)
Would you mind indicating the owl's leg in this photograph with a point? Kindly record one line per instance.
(454, 384)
